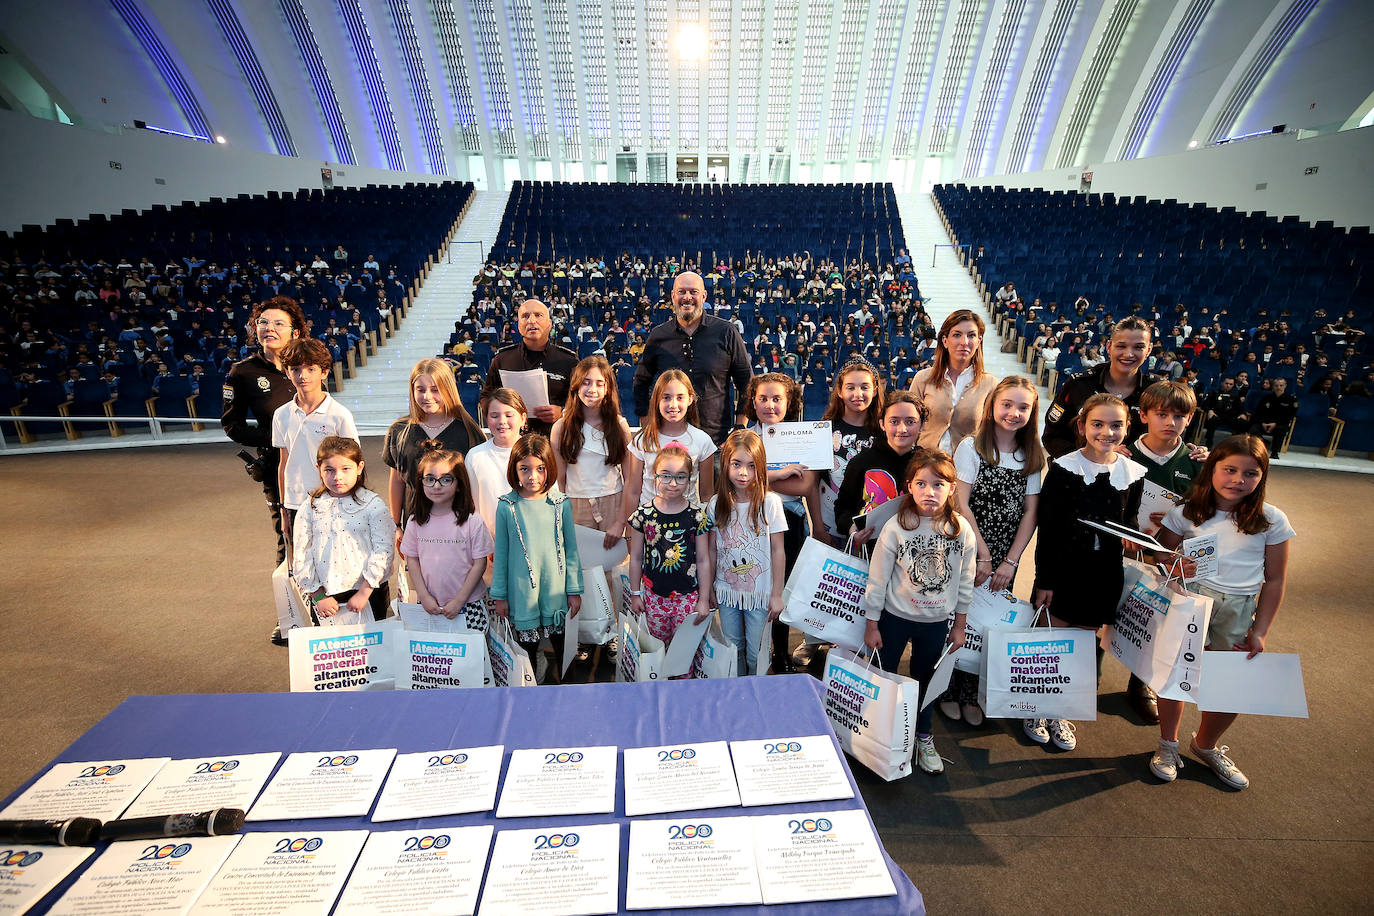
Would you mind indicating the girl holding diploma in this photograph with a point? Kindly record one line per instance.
(920, 582)
(999, 469)
(1078, 569)
(748, 547)
(1227, 499)
(343, 540)
(537, 579)
(590, 444)
(446, 543)
(670, 551)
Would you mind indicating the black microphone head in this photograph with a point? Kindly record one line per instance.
(81, 831)
(226, 821)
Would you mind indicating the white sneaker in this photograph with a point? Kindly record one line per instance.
(950, 710)
(1036, 730)
(927, 758)
(1062, 733)
(973, 714)
(1222, 765)
(1165, 763)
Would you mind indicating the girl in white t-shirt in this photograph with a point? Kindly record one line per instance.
(672, 419)
(999, 468)
(1227, 499)
(445, 543)
(747, 543)
(591, 444)
(505, 416)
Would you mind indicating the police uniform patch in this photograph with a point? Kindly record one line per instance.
(1055, 413)
(228, 393)
(264, 383)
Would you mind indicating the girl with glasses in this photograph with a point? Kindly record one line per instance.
(446, 544)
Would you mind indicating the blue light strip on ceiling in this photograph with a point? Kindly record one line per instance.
(252, 73)
(1258, 68)
(1164, 75)
(166, 68)
(294, 14)
(419, 85)
(352, 12)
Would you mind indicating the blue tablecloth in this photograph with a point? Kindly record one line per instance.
(626, 715)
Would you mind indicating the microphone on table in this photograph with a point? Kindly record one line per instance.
(216, 822)
(74, 831)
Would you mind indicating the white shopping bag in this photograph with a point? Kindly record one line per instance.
(510, 664)
(432, 661)
(596, 619)
(292, 609)
(1043, 673)
(1160, 632)
(873, 713)
(362, 657)
(822, 595)
(641, 653)
(717, 656)
(989, 609)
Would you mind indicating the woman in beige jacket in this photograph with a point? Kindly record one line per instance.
(955, 385)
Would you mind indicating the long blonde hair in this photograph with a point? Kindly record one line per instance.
(1027, 442)
(749, 442)
(441, 373)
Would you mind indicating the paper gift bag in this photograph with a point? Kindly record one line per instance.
(1160, 633)
(292, 608)
(822, 595)
(873, 713)
(717, 656)
(596, 619)
(362, 657)
(510, 664)
(1044, 673)
(989, 609)
(432, 661)
(641, 652)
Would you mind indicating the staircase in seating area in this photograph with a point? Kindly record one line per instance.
(377, 395)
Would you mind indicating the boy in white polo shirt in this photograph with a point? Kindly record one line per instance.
(301, 424)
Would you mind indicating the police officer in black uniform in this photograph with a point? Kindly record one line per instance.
(535, 351)
(1225, 409)
(255, 387)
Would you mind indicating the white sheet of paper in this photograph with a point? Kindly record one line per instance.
(559, 780)
(569, 645)
(1270, 684)
(765, 656)
(785, 771)
(554, 871)
(683, 648)
(1203, 550)
(700, 862)
(94, 788)
(1154, 498)
(202, 783)
(825, 855)
(296, 873)
(808, 443)
(878, 516)
(1130, 534)
(679, 777)
(430, 872)
(27, 873)
(415, 619)
(939, 678)
(148, 877)
(324, 784)
(590, 552)
(437, 783)
(347, 618)
(531, 384)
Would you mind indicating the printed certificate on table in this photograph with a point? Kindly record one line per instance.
(27, 873)
(148, 877)
(785, 771)
(826, 855)
(297, 873)
(202, 783)
(94, 788)
(556, 871)
(436, 783)
(696, 862)
(324, 784)
(435, 872)
(808, 443)
(559, 780)
(679, 777)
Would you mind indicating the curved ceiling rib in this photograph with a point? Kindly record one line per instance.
(1258, 68)
(166, 67)
(247, 57)
(1163, 76)
(299, 25)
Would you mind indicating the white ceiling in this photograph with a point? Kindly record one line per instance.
(795, 89)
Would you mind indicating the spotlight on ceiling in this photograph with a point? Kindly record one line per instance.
(691, 41)
(219, 138)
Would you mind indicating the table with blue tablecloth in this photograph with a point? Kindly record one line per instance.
(626, 715)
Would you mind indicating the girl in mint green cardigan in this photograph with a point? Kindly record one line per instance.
(537, 579)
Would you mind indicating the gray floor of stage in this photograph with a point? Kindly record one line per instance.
(146, 571)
